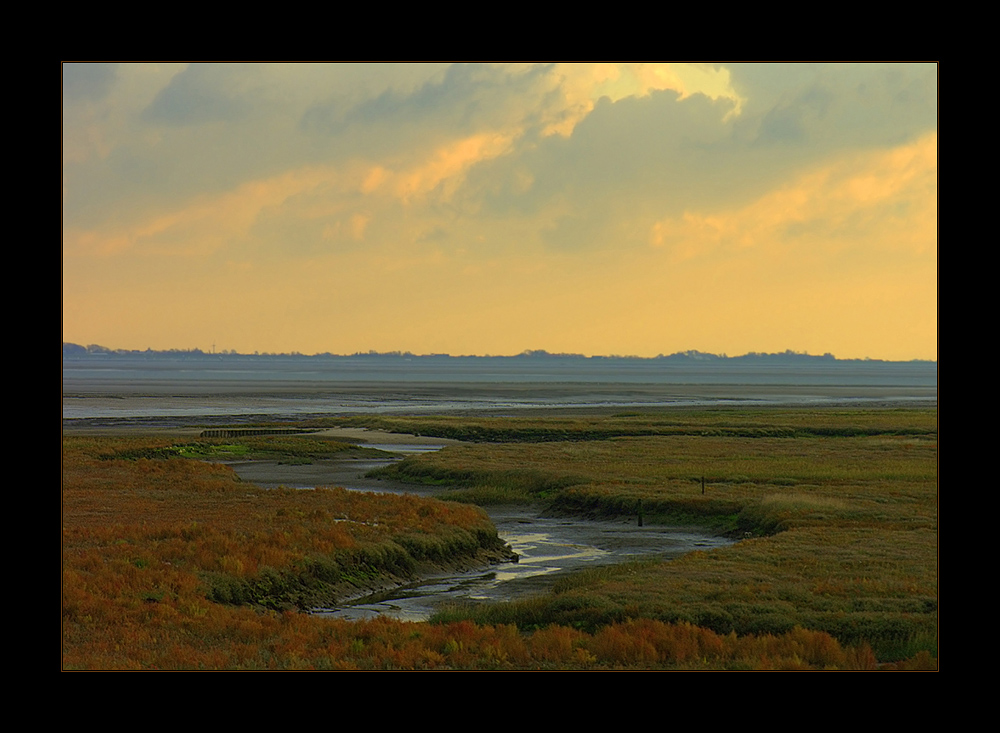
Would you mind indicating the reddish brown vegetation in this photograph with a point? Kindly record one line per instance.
(142, 540)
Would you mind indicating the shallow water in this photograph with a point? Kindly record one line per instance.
(247, 388)
(546, 545)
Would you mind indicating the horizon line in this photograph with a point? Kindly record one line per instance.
(690, 353)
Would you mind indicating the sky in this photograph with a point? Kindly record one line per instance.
(599, 209)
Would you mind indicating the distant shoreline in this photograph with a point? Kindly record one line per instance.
(241, 390)
(692, 357)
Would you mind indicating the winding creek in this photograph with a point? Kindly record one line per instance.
(547, 545)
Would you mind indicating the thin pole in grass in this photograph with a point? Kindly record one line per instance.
(703, 484)
(640, 512)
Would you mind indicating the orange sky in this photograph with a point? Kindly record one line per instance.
(490, 209)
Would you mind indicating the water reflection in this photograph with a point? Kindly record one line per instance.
(547, 546)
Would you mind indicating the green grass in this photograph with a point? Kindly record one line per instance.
(207, 451)
(727, 422)
(283, 448)
(841, 507)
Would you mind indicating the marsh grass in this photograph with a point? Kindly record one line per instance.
(841, 506)
(152, 546)
(721, 422)
(283, 448)
(841, 572)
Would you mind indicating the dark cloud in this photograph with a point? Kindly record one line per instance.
(87, 82)
(202, 93)
(252, 135)
(782, 125)
(623, 154)
(437, 234)
(829, 106)
(465, 99)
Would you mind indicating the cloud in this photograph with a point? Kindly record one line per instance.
(168, 136)
(87, 82)
(205, 93)
(477, 144)
(821, 107)
(644, 156)
(208, 224)
(600, 194)
(883, 199)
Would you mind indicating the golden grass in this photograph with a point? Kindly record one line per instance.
(841, 572)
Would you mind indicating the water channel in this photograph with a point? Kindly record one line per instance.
(547, 546)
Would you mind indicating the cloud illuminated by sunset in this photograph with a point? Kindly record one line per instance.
(488, 209)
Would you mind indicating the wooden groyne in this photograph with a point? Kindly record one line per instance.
(246, 432)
